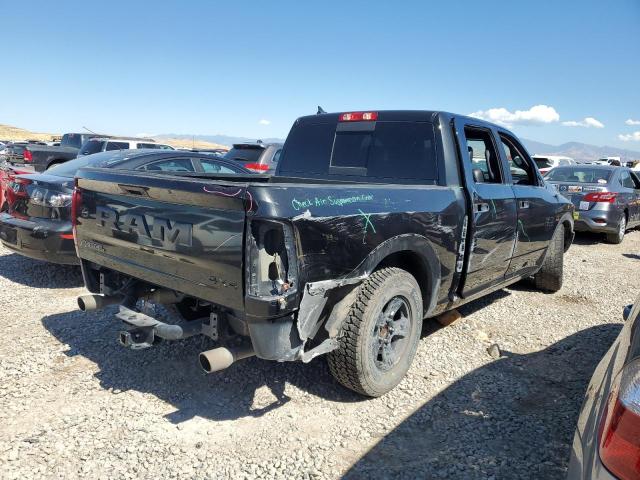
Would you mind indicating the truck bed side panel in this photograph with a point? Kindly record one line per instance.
(339, 226)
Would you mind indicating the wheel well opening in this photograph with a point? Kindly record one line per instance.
(416, 266)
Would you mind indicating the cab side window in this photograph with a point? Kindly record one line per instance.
(520, 165)
(483, 155)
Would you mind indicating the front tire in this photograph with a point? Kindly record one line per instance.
(380, 336)
(618, 237)
(549, 277)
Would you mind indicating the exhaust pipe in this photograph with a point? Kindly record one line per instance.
(163, 296)
(220, 358)
(96, 302)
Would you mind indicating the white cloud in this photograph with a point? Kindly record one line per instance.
(586, 122)
(264, 122)
(632, 122)
(536, 115)
(631, 137)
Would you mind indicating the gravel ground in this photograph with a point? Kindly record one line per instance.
(74, 404)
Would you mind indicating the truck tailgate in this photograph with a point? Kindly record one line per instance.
(181, 233)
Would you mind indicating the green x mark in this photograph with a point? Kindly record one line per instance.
(367, 221)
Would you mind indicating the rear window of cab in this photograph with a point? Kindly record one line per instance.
(397, 150)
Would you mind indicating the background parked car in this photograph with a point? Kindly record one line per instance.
(607, 438)
(615, 161)
(547, 162)
(38, 221)
(258, 157)
(7, 175)
(41, 156)
(106, 144)
(606, 198)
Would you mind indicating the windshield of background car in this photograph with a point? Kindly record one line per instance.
(543, 162)
(92, 146)
(247, 154)
(71, 140)
(579, 175)
(70, 168)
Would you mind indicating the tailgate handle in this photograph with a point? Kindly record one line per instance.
(134, 190)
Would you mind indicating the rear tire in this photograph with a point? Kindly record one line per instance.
(549, 277)
(380, 335)
(618, 237)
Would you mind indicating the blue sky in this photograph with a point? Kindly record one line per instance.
(250, 68)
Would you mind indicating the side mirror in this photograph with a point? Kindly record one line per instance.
(478, 176)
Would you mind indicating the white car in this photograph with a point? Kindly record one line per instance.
(547, 162)
(617, 161)
(105, 144)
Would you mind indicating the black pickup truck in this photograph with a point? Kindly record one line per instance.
(373, 222)
(41, 157)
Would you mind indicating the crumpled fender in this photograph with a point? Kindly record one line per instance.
(328, 301)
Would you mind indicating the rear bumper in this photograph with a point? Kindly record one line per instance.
(601, 221)
(38, 240)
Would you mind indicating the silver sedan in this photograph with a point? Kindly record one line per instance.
(606, 198)
(606, 444)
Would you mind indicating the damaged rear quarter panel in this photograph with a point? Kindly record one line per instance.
(339, 228)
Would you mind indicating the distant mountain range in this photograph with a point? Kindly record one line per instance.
(576, 150)
(219, 139)
(580, 151)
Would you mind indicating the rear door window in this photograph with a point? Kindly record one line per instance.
(211, 166)
(482, 153)
(170, 165)
(147, 145)
(522, 171)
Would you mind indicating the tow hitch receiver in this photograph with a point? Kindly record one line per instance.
(146, 329)
(137, 338)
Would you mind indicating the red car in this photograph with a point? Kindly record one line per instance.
(7, 174)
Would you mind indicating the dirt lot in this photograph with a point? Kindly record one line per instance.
(73, 403)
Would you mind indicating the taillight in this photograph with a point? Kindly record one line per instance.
(358, 117)
(606, 197)
(27, 155)
(256, 167)
(76, 200)
(271, 259)
(620, 426)
(19, 187)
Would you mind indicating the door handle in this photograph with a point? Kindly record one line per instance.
(523, 204)
(480, 207)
